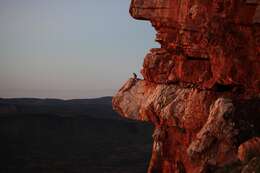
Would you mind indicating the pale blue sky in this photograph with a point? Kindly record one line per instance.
(69, 48)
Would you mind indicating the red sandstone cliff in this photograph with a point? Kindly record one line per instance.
(201, 89)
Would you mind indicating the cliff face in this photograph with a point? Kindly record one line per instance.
(201, 88)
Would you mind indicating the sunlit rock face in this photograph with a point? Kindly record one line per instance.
(205, 42)
(201, 88)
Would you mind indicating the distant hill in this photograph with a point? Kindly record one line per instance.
(94, 108)
(70, 136)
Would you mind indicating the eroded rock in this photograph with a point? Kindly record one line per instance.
(249, 149)
(201, 88)
(215, 141)
(203, 42)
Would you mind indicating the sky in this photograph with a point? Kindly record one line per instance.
(69, 48)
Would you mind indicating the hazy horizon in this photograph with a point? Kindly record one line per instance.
(58, 94)
(69, 49)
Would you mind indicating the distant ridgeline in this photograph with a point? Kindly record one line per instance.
(95, 108)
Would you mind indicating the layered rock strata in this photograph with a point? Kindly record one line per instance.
(201, 89)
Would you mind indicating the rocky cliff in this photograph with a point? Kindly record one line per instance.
(201, 88)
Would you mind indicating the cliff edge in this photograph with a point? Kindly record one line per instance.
(201, 88)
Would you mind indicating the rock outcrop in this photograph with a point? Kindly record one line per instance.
(201, 89)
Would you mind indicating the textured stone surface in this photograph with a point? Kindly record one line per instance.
(249, 149)
(201, 87)
(207, 43)
(219, 127)
(195, 128)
